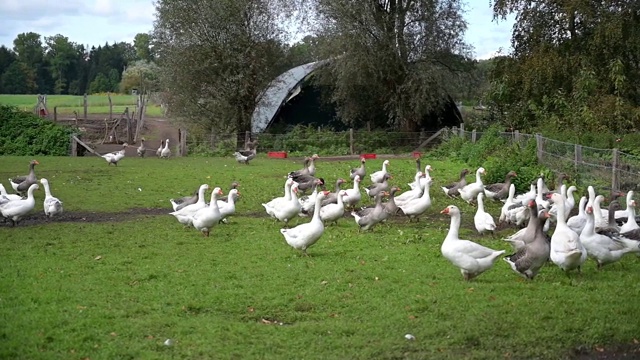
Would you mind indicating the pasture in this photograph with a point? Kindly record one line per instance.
(67, 104)
(117, 277)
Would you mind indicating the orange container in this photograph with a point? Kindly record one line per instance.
(369, 156)
(277, 154)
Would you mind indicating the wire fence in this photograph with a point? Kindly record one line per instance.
(322, 142)
(605, 168)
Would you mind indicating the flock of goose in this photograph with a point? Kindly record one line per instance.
(605, 235)
(13, 207)
(163, 152)
(594, 232)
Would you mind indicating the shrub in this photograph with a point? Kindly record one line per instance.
(494, 152)
(25, 134)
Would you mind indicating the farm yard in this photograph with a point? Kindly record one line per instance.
(116, 276)
(504, 224)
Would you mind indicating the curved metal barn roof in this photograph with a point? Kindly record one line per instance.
(279, 91)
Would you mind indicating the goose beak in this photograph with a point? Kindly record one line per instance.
(445, 211)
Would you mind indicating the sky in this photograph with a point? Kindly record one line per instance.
(96, 22)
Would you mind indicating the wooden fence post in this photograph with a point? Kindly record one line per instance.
(615, 172)
(110, 106)
(142, 104)
(74, 146)
(183, 142)
(578, 156)
(516, 135)
(85, 105)
(55, 114)
(473, 136)
(539, 147)
(462, 130)
(351, 142)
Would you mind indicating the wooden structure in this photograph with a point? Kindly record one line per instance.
(41, 106)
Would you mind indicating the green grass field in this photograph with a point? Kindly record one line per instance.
(66, 104)
(111, 289)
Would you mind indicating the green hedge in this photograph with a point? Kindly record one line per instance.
(25, 134)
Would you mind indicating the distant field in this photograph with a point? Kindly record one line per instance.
(66, 104)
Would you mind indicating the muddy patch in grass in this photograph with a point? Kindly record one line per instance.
(88, 216)
(611, 352)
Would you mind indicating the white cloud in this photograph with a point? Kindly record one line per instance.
(103, 8)
(90, 23)
(96, 22)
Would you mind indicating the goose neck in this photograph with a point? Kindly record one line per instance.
(454, 227)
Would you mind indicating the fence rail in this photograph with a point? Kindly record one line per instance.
(609, 168)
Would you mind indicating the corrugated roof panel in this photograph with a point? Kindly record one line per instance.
(276, 94)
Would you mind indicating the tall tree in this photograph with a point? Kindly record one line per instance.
(62, 56)
(216, 57)
(142, 45)
(18, 79)
(30, 52)
(391, 57)
(141, 75)
(7, 57)
(28, 47)
(576, 62)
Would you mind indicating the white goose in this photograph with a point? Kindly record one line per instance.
(414, 193)
(525, 197)
(4, 194)
(114, 157)
(308, 203)
(184, 215)
(599, 217)
(631, 223)
(378, 176)
(228, 208)
(304, 235)
(333, 212)
(353, 195)
(507, 203)
(159, 151)
(483, 220)
(416, 207)
(166, 152)
(471, 191)
(607, 247)
(287, 210)
(518, 213)
(52, 205)
(540, 200)
(569, 201)
(206, 218)
(275, 202)
(567, 252)
(15, 210)
(577, 223)
(418, 183)
(471, 258)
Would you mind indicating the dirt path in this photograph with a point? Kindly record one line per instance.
(155, 129)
